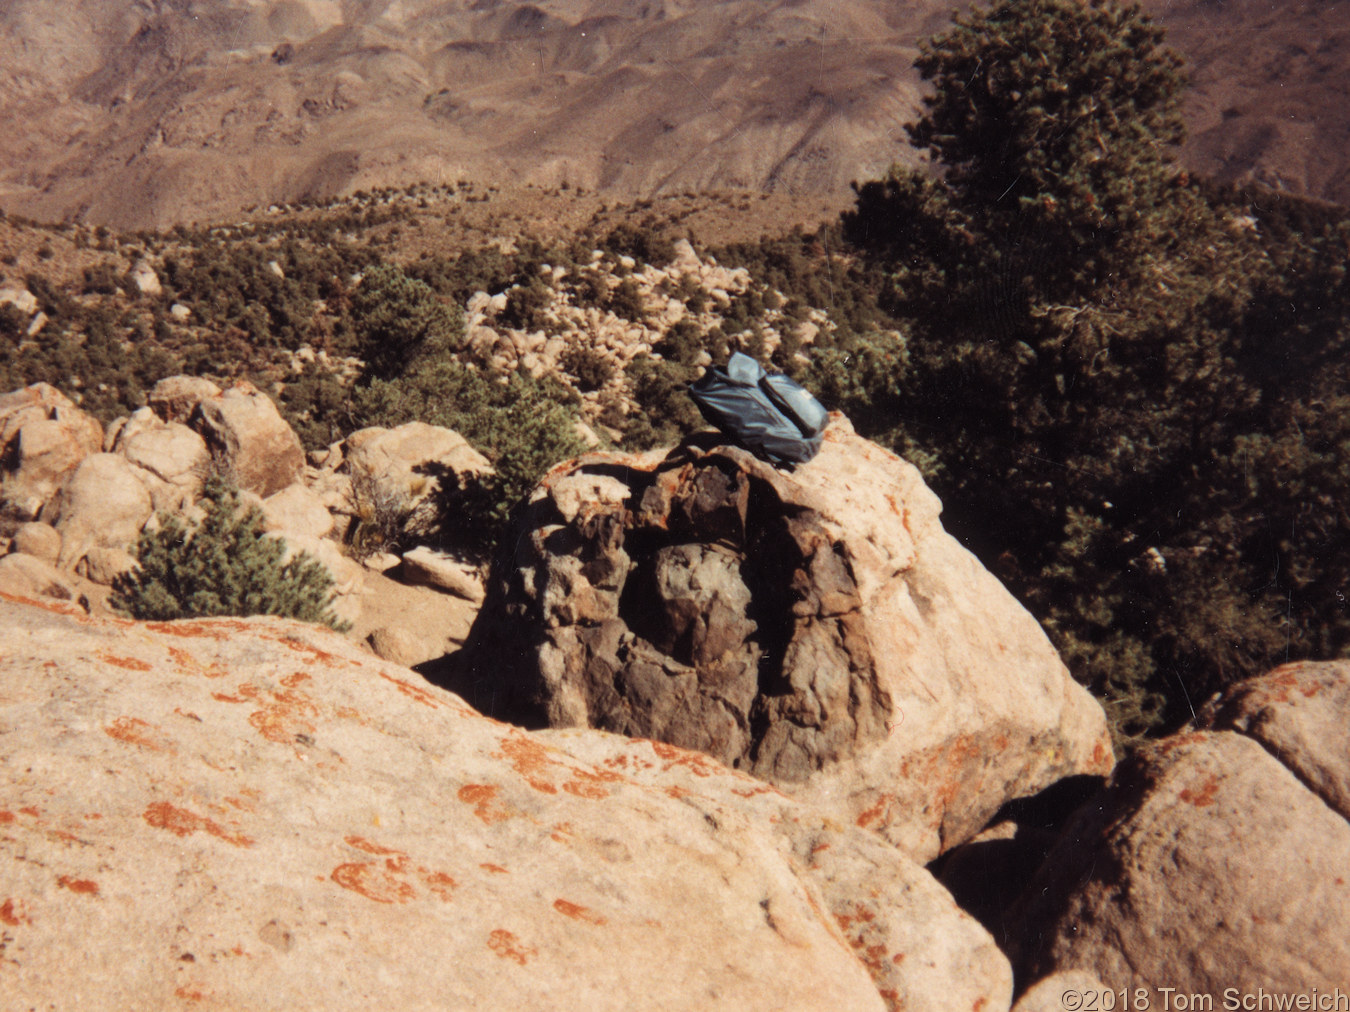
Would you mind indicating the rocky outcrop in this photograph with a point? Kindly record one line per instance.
(1298, 713)
(174, 398)
(402, 471)
(245, 427)
(1208, 864)
(43, 438)
(94, 505)
(105, 503)
(818, 630)
(257, 814)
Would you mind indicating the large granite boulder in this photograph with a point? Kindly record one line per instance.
(1300, 713)
(405, 472)
(176, 457)
(818, 630)
(43, 438)
(1207, 865)
(257, 814)
(244, 427)
(104, 503)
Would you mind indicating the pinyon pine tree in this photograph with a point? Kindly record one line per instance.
(1077, 314)
(225, 565)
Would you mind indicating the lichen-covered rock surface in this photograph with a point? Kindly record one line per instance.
(1218, 858)
(257, 814)
(819, 630)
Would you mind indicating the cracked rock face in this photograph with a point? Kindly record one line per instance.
(716, 616)
(817, 630)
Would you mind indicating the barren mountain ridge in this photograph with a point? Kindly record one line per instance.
(148, 112)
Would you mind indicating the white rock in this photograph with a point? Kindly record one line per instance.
(41, 541)
(431, 568)
(297, 510)
(20, 298)
(146, 280)
(104, 565)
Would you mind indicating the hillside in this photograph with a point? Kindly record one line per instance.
(146, 115)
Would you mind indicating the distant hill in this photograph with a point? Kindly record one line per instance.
(148, 113)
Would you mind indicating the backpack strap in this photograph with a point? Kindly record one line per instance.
(784, 408)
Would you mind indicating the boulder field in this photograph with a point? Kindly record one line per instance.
(77, 498)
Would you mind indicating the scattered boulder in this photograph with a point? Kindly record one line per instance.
(105, 503)
(1206, 865)
(401, 467)
(176, 397)
(297, 510)
(154, 776)
(20, 298)
(1299, 714)
(430, 568)
(104, 565)
(1067, 990)
(244, 426)
(415, 625)
(43, 438)
(398, 645)
(24, 576)
(173, 453)
(41, 541)
(818, 630)
(145, 279)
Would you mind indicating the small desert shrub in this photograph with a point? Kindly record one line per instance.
(626, 301)
(592, 368)
(225, 565)
(380, 517)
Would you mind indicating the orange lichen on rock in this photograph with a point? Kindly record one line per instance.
(482, 797)
(577, 912)
(283, 716)
(14, 913)
(125, 663)
(189, 630)
(531, 759)
(181, 822)
(78, 885)
(876, 812)
(695, 762)
(361, 843)
(1204, 797)
(507, 946)
(496, 869)
(414, 692)
(440, 884)
(373, 882)
(586, 788)
(134, 731)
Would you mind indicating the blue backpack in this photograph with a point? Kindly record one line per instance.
(766, 413)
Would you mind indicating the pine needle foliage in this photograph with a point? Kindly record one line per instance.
(224, 565)
(1128, 384)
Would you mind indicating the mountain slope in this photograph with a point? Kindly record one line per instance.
(149, 112)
